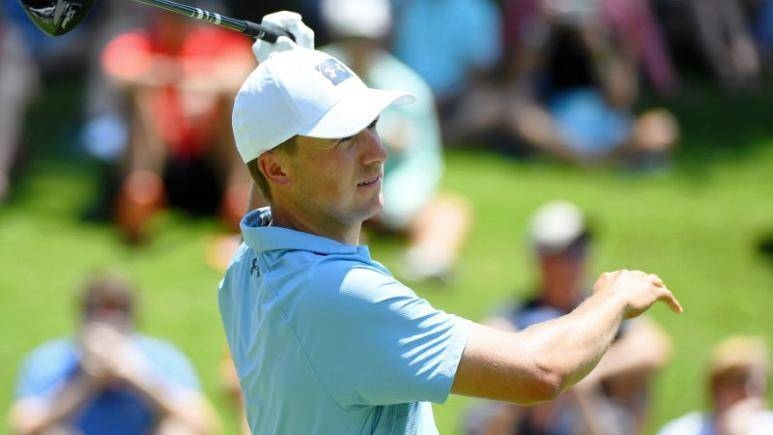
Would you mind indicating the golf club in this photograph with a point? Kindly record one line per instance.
(57, 17)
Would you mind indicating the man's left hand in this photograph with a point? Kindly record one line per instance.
(290, 22)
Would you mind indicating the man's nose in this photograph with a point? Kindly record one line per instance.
(374, 150)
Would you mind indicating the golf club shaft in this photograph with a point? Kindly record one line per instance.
(248, 28)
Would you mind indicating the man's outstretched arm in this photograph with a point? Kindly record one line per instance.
(538, 363)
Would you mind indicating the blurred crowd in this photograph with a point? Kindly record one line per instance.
(560, 79)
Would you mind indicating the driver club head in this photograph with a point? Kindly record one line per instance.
(56, 17)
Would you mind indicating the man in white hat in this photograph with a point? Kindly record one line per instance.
(324, 339)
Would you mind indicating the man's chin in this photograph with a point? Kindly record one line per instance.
(375, 208)
(375, 211)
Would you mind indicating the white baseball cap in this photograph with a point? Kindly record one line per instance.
(556, 225)
(303, 92)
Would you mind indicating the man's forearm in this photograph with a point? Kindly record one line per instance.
(539, 362)
(642, 349)
(572, 345)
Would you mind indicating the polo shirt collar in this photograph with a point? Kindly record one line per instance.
(261, 237)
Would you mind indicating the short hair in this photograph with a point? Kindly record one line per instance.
(108, 290)
(288, 147)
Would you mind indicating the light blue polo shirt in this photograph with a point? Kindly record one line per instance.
(326, 341)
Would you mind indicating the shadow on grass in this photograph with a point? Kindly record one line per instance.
(718, 127)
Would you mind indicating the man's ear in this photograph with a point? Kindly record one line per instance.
(274, 168)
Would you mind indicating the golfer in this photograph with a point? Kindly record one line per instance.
(325, 340)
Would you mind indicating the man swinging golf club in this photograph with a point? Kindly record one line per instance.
(325, 340)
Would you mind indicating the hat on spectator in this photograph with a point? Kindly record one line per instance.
(303, 92)
(556, 225)
(370, 19)
(738, 353)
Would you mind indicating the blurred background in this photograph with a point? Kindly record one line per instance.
(551, 140)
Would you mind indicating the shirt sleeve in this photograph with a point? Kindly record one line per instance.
(46, 370)
(762, 423)
(383, 344)
(690, 424)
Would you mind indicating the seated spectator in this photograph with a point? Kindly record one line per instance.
(763, 32)
(104, 131)
(613, 398)
(18, 85)
(436, 222)
(634, 24)
(569, 89)
(737, 387)
(724, 38)
(108, 379)
(180, 77)
(450, 43)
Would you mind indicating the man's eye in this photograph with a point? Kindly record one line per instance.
(370, 126)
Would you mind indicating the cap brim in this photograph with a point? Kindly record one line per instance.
(355, 112)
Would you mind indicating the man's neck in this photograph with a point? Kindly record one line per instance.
(295, 220)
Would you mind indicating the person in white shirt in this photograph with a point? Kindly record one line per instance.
(737, 384)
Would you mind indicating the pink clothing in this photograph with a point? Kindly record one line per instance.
(631, 21)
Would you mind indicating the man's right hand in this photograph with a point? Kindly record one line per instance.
(638, 291)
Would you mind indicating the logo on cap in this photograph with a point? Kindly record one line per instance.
(334, 71)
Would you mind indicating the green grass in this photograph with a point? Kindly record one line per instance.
(697, 226)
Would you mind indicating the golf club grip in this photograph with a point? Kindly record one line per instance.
(248, 28)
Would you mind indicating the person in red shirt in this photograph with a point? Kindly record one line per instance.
(179, 77)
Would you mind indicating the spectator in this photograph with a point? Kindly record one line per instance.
(180, 77)
(450, 43)
(18, 85)
(633, 23)
(108, 379)
(437, 223)
(763, 32)
(613, 399)
(737, 387)
(569, 89)
(725, 39)
(104, 134)
(720, 33)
